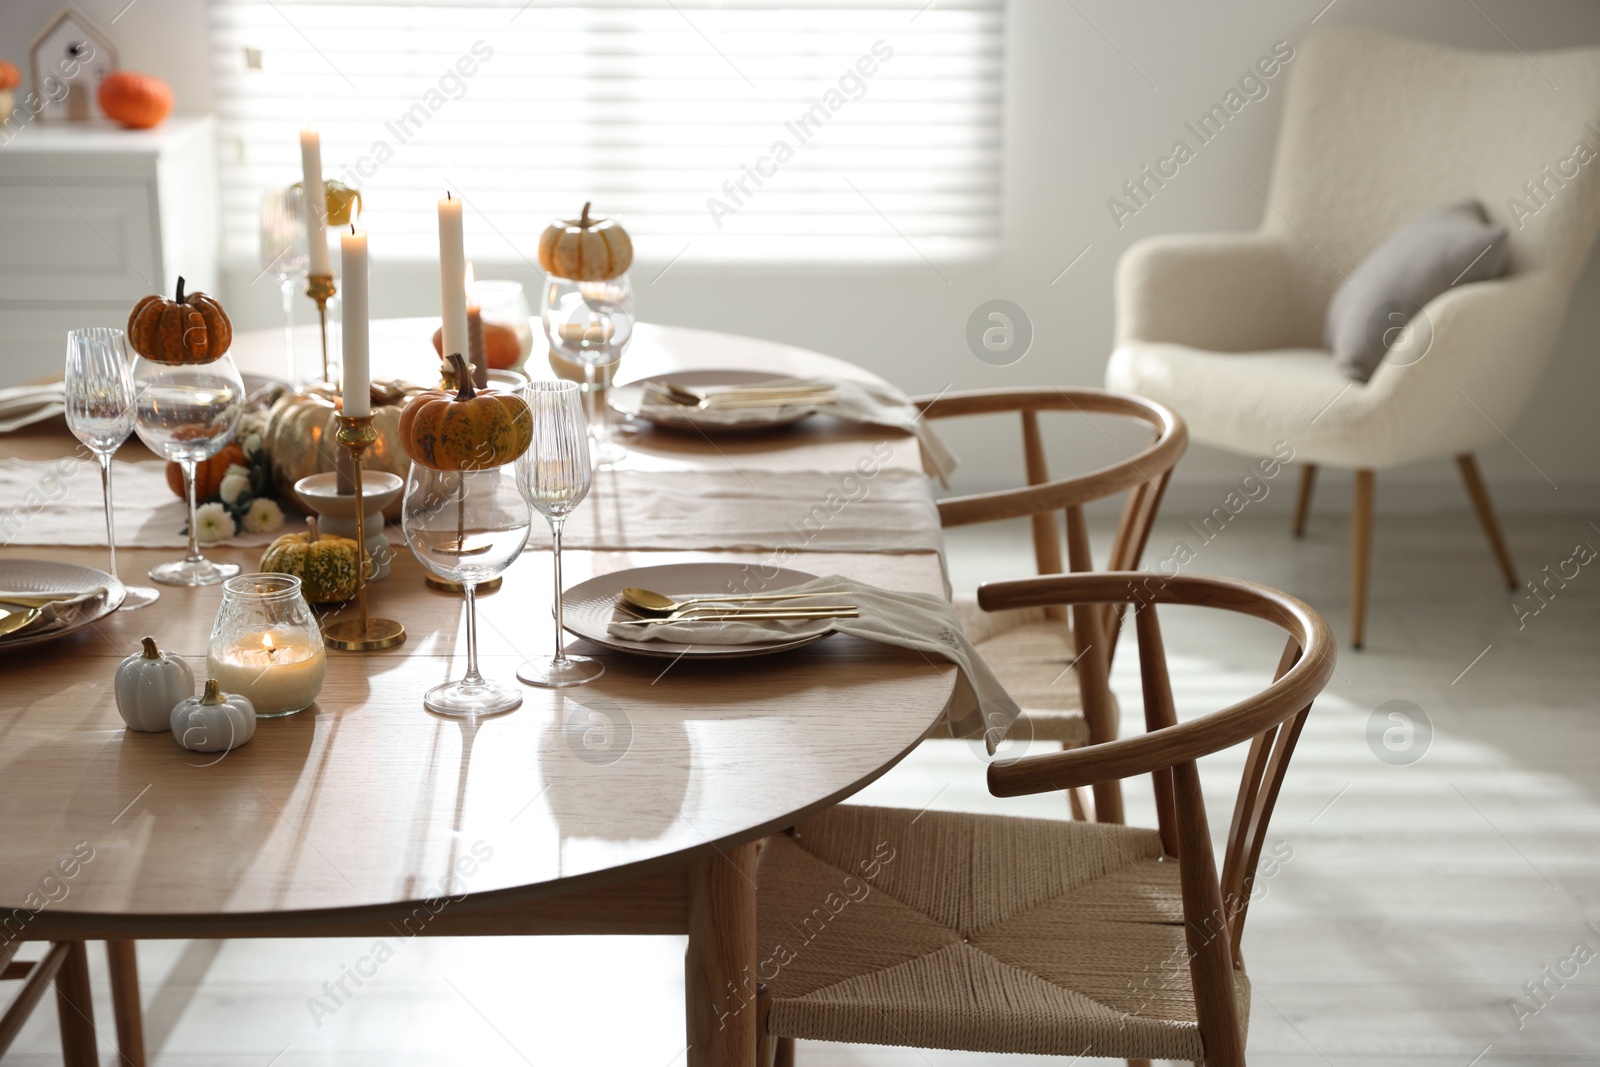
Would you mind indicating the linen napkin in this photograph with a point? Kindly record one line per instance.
(54, 615)
(22, 405)
(919, 621)
(863, 402)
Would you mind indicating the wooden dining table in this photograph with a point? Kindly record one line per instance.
(633, 805)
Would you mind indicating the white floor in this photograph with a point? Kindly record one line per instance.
(1418, 901)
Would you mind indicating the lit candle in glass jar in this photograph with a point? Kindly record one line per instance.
(279, 670)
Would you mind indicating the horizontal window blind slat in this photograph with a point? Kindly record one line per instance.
(743, 129)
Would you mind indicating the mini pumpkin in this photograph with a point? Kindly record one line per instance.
(138, 101)
(329, 568)
(10, 76)
(471, 429)
(208, 473)
(501, 348)
(589, 248)
(338, 199)
(190, 328)
(214, 721)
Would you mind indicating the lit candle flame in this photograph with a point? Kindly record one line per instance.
(267, 645)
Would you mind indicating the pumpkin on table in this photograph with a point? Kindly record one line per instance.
(208, 473)
(470, 429)
(589, 248)
(138, 101)
(329, 568)
(190, 328)
(301, 428)
(501, 348)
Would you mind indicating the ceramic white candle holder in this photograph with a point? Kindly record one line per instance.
(336, 513)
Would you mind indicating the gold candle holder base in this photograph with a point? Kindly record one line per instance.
(319, 287)
(363, 634)
(444, 585)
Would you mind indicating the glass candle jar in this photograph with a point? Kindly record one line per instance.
(265, 644)
(504, 303)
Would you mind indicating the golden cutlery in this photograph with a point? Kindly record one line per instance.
(746, 396)
(12, 621)
(745, 616)
(654, 603)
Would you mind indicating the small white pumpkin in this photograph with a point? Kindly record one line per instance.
(149, 685)
(214, 721)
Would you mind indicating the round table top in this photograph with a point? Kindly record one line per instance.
(367, 800)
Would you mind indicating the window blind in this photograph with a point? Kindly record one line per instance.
(746, 130)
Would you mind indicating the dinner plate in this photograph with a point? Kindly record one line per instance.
(589, 607)
(629, 399)
(50, 576)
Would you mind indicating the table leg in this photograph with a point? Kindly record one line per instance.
(720, 966)
(125, 999)
(75, 1009)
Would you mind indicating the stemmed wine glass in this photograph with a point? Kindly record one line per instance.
(466, 527)
(591, 324)
(554, 477)
(187, 412)
(283, 251)
(100, 414)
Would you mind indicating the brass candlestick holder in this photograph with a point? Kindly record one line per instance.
(364, 634)
(320, 288)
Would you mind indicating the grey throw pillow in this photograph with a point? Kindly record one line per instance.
(1438, 249)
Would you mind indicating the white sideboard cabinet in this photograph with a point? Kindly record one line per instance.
(93, 217)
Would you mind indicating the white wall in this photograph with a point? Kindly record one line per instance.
(1082, 116)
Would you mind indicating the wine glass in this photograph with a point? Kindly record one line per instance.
(466, 527)
(187, 412)
(100, 414)
(591, 324)
(554, 477)
(283, 251)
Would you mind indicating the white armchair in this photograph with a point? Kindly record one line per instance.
(1227, 328)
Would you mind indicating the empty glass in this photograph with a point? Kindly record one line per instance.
(100, 414)
(591, 324)
(187, 412)
(466, 527)
(283, 252)
(554, 476)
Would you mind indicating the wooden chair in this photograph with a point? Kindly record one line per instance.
(996, 934)
(67, 964)
(1033, 650)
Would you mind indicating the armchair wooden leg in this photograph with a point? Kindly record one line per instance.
(75, 1009)
(1302, 498)
(1485, 509)
(1360, 556)
(125, 1002)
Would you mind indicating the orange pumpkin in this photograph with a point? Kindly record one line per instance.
(10, 76)
(501, 349)
(208, 473)
(185, 329)
(471, 429)
(135, 100)
(589, 248)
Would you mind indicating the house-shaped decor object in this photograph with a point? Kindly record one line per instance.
(68, 60)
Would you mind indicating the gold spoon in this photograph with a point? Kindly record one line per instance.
(653, 602)
(12, 621)
(798, 614)
(747, 396)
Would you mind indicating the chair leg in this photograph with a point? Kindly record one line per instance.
(785, 1052)
(1302, 498)
(75, 1009)
(1360, 556)
(1485, 509)
(125, 1001)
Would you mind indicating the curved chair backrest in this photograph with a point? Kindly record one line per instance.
(1378, 129)
(1143, 476)
(1214, 906)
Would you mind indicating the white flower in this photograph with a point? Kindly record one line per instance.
(264, 516)
(233, 486)
(236, 470)
(252, 444)
(212, 523)
(252, 422)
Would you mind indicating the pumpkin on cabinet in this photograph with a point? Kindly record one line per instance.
(301, 428)
(189, 328)
(329, 568)
(138, 101)
(470, 429)
(589, 248)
